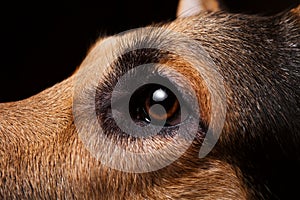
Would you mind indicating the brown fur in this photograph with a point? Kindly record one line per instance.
(42, 156)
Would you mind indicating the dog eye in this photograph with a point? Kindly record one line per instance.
(143, 102)
(139, 109)
(138, 117)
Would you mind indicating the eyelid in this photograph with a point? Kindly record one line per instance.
(180, 83)
(184, 89)
(175, 80)
(122, 95)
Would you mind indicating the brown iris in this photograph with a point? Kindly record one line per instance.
(154, 103)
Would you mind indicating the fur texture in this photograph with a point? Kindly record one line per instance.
(256, 157)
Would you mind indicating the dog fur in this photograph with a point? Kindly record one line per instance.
(257, 154)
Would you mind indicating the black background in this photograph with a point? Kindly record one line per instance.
(43, 42)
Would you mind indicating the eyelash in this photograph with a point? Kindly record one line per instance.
(111, 129)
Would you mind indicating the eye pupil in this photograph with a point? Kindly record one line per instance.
(147, 102)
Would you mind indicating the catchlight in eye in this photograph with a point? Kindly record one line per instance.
(152, 103)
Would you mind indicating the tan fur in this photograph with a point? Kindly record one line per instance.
(42, 157)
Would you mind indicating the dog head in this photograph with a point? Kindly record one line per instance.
(206, 106)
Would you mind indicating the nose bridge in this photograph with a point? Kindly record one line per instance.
(39, 116)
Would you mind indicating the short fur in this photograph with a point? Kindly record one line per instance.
(256, 157)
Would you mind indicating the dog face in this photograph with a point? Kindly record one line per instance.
(206, 106)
